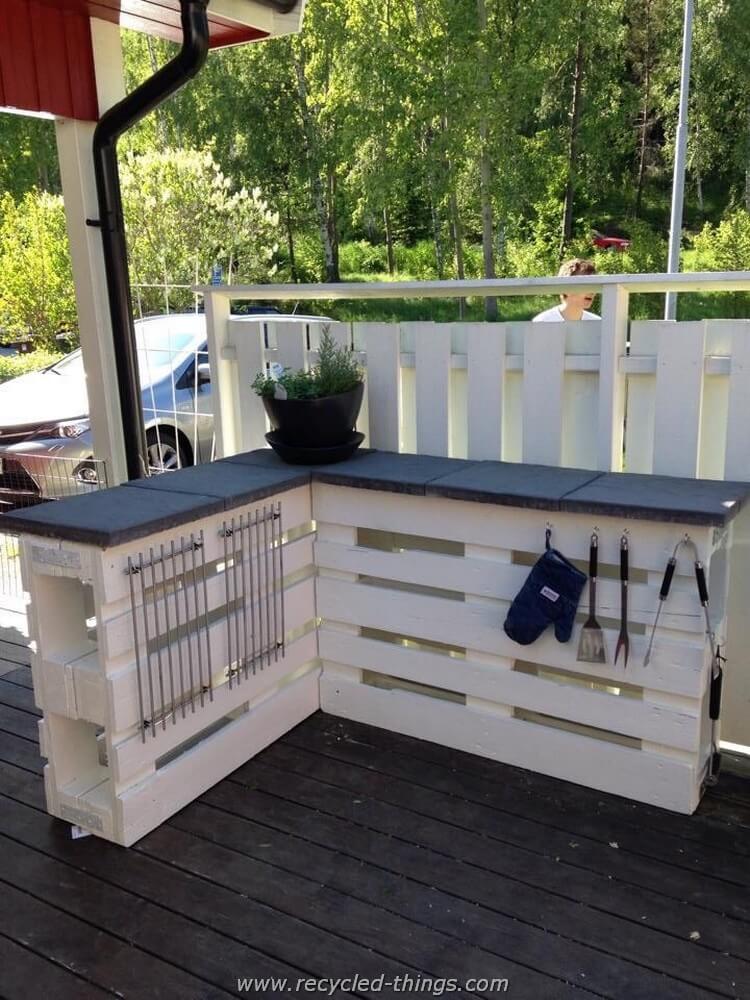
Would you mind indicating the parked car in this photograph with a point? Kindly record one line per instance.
(46, 445)
(605, 242)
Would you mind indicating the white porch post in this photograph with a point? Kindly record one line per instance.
(74, 146)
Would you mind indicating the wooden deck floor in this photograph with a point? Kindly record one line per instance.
(346, 850)
(14, 634)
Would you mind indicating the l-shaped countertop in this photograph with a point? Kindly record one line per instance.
(136, 509)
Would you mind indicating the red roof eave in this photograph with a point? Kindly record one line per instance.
(46, 54)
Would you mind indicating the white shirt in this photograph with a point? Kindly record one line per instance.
(554, 315)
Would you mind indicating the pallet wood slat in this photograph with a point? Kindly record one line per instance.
(558, 754)
(431, 637)
(119, 761)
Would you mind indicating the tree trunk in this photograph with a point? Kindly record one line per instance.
(575, 123)
(332, 273)
(326, 225)
(645, 114)
(437, 240)
(747, 168)
(485, 173)
(458, 243)
(290, 244)
(389, 241)
(458, 239)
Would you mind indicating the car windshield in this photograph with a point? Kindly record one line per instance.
(159, 346)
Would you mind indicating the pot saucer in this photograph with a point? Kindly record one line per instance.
(295, 455)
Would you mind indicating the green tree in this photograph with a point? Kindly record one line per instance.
(37, 296)
(183, 215)
(28, 155)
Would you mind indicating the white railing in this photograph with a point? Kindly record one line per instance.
(547, 393)
(671, 398)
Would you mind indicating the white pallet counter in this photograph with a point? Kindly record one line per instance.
(166, 660)
(413, 591)
(181, 625)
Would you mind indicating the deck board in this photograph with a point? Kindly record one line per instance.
(344, 849)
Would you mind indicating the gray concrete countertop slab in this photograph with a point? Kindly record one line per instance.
(659, 498)
(111, 517)
(512, 484)
(234, 483)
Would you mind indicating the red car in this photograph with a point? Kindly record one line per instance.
(609, 242)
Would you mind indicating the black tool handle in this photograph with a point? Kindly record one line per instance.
(715, 764)
(714, 701)
(624, 564)
(593, 557)
(666, 583)
(700, 576)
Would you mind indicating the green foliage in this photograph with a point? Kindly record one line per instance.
(296, 384)
(37, 296)
(183, 215)
(725, 247)
(21, 364)
(337, 371)
(361, 257)
(28, 157)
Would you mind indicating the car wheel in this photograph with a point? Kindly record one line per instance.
(165, 453)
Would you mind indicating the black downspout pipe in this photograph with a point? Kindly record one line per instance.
(112, 125)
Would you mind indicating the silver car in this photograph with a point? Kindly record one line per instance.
(46, 445)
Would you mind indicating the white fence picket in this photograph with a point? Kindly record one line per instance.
(433, 365)
(485, 390)
(612, 389)
(248, 341)
(383, 345)
(679, 398)
(291, 341)
(737, 462)
(543, 371)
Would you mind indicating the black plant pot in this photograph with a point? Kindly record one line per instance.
(315, 423)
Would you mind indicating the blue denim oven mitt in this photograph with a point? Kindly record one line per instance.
(549, 596)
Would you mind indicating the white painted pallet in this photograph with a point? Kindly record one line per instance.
(401, 599)
(412, 640)
(107, 772)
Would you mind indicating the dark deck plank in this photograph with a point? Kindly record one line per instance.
(15, 652)
(539, 892)
(18, 722)
(20, 675)
(391, 938)
(128, 896)
(611, 889)
(99, 957)
(544, 795)
(345, 849)
(24, 753)
(498, 800)
(416, 909)
(16, 696)
(24, 972)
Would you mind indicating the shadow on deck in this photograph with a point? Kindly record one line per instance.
(345, 850)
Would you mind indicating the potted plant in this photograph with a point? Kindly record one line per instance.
(313, 413)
